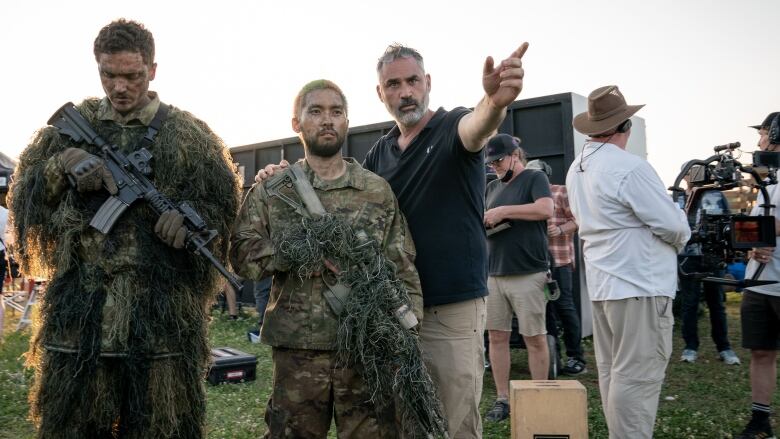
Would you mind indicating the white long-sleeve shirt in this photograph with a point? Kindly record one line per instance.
(630, 228)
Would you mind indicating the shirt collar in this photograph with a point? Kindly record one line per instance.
(591, 145)
(141, 116)
(351, 178)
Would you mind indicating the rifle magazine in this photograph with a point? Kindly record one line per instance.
(108, 214)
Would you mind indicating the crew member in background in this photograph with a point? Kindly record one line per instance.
(760, 310)
(518, 266)
(631, 232)
(3, 248)
(691, 287)
(560, 234)
(3, 259)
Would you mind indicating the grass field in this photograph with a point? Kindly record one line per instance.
(703, 400)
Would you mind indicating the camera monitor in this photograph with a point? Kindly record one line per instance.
(752, 231)
(698, 174)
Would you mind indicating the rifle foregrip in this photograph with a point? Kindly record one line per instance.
(158, 201)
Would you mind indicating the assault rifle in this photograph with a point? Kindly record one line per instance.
(130, 173)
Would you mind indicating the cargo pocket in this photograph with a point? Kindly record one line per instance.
(663, 307)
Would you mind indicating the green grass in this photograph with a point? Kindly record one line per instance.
(703, 400)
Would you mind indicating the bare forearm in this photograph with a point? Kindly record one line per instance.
(568, 227)
(475, 128)
(526, 212)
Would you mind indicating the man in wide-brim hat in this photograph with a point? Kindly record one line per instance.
(631, 232)
(606, 110)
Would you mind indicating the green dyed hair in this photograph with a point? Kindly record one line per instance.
(125, 35)
(317, 84)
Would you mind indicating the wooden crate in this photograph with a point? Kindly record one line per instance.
(548, 409)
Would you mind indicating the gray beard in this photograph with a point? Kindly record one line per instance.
(410, 118)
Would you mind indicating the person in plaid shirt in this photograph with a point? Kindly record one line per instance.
(560, 231)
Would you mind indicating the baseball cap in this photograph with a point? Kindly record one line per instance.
(767, 121)
(500, 145)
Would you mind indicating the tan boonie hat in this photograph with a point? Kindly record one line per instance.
(607, 109)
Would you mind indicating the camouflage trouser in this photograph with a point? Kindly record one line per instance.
(309, 391)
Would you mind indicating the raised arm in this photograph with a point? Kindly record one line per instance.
(502, 85)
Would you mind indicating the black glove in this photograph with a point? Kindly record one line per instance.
(88, 171)
(170, 228)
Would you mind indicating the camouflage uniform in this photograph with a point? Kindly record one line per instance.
(122, 342)
(299, 323)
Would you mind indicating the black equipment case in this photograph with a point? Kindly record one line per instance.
(230, 365)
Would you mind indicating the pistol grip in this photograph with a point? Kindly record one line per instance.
(336, 296)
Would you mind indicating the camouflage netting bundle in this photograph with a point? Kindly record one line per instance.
(121, 338)
(370, 338)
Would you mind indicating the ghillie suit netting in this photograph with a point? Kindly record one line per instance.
(370, 338)
(120, 345)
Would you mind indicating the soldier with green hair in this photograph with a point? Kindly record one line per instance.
(323, 366)
(121, 345)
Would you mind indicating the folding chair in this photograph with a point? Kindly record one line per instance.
(25, 305)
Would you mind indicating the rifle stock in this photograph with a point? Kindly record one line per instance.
(295, 177)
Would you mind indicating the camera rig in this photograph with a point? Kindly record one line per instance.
(721, 237)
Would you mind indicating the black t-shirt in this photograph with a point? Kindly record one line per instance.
(440, 187)
(522, 248)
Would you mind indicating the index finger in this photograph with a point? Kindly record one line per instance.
(520, 51)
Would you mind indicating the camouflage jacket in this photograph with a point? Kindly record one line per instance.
(127, 282)
(298, 315)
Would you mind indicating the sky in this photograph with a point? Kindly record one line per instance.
(705, 69)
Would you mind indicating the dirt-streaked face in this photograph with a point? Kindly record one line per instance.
(322, 124)
(125, 80)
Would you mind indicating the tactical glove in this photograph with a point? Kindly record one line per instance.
(88, 171)
(170, 228)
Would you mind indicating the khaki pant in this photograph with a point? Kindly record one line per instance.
(453, 344)
(632, 339)
(522, 295)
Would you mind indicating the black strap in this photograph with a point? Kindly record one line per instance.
(154, 126)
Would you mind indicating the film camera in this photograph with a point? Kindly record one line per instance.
(719, 235)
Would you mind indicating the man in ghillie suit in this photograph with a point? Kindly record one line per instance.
(323, 364)
(121, 346)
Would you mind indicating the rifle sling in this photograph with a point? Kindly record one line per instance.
(336, 293)
(154, 126)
